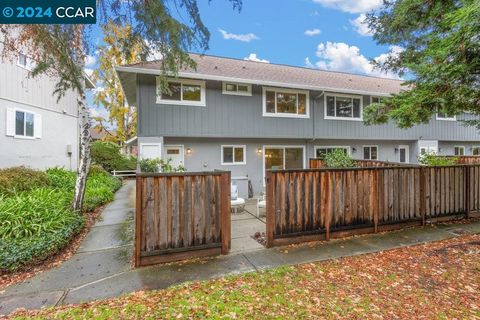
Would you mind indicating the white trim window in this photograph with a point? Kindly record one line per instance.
(343, 107)
(233, 155)
(476, 151)
(370, 152)
(237, 89)
(321, 151)
(279, 102)
(459, 150)
(182, 92)
(23, 61)
(374, 99)
(443, 117)
(23, 124)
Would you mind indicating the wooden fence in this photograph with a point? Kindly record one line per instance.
(319, 204)
(466, 159)
(181, 215)
(316, 163)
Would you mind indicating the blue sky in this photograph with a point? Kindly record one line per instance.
(287, 32)
(323, 34)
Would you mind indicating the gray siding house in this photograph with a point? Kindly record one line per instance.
(35, 130)
(247, 117)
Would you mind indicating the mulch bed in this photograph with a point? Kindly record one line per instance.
(7, 279)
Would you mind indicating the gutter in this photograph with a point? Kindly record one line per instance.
(191, 75)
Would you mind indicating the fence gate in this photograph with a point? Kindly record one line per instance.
(181, 215)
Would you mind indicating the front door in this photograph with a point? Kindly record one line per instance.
(175, 155)
(403, 154)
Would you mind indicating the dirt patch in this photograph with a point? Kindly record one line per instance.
(7, 279)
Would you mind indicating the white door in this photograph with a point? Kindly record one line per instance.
(150, 150)
(428, 146)
(403, 154)
(175, 154)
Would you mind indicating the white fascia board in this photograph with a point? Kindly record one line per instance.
(251, 81)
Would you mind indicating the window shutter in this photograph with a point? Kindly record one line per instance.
(10, 122)
(37, 126)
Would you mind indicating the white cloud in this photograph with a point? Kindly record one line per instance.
(90, 61)
(360, 25)
(351, 6)
(240, 37)
(253, 57)
(99, 111)
(339, 56)
(312, 32)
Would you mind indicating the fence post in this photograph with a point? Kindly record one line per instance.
(328, 204)
(374, 197)
(226, 212)
(422, 195)
(138, 221)
(466, 176)
(270, 210)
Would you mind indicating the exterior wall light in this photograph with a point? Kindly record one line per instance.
(259, 150)
(189, 150)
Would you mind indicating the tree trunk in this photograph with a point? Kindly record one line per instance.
(84, 165)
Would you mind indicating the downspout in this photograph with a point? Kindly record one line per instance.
(313, 116)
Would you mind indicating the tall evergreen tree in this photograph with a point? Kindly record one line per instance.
(440, 58)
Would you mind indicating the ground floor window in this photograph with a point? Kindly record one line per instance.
(233, 155)
(476, 151)
(288, 157)
(320, 152)
(459, 151)
(370, 152)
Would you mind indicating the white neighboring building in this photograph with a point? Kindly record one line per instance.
(35, 130)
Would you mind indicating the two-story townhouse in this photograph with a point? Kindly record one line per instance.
(36, 130)
(247, 117)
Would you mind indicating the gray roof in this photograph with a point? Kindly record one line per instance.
(220, 68)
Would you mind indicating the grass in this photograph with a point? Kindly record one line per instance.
(35, 218)
(404, 283)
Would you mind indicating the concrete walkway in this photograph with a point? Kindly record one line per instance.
(101, 268)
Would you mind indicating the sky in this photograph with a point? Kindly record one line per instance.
(324, 34)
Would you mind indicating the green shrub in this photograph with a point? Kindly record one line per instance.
(107, 155)
(39, 222)
(30, 214)
(159, 165)
(432, 159)
(21, 179)
(61, 178)
(339, 159)
(15, 253)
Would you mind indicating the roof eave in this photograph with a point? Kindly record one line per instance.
(191, 75)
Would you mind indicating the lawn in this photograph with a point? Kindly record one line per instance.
(439, 280)
(35, 216)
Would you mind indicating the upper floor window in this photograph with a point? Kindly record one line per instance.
(443, 116)
(321, 152)
(459, 151)
(240, 89)
(376, 99)
(25, 62)
(285, 103)
(343, 107)
(234, 154)
(370, 152)
(183, 92)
